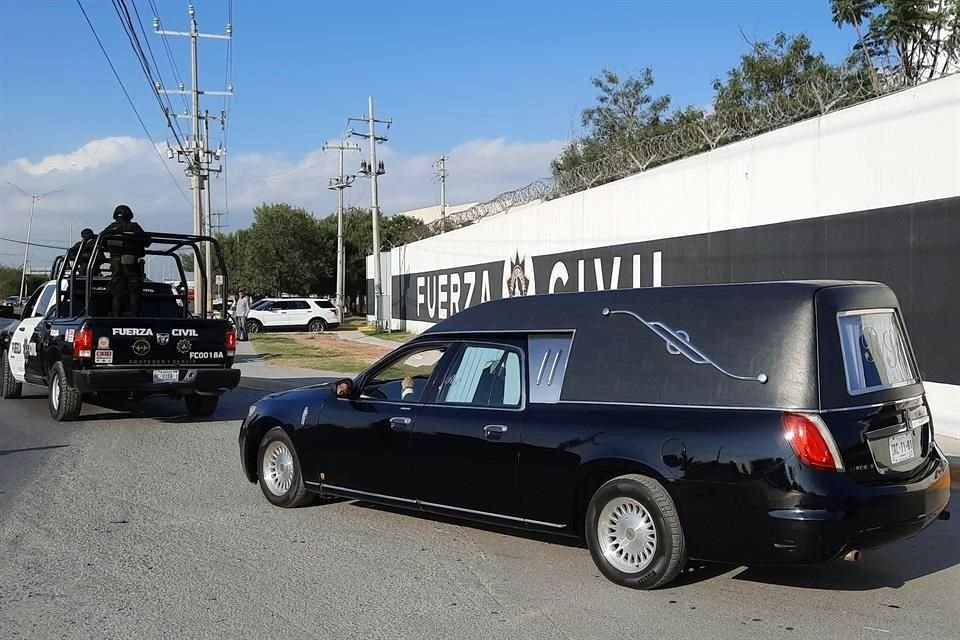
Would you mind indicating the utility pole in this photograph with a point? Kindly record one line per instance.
(442, 174)
(26, 248)
(372, 171)
(339, 184)
(198, 157)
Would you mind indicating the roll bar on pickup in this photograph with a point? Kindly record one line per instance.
(172, 243)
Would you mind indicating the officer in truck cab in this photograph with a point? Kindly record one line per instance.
(126, 279)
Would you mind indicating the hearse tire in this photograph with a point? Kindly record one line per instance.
(64, 401)
(201, 406)
(317, 325)
(278, 469)
(628, 509)
(9, 387)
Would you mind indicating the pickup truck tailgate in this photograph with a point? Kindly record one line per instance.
(147, 343)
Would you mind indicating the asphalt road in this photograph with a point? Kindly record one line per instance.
(136, 522)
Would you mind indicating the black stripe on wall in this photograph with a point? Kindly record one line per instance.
(913, 248)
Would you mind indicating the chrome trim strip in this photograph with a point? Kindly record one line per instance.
(872, 406)
(553, 367)
(441, 506)
(493, 515)
(310, 482)
(893, 429)
(368, 493)
(544, 524)
(685, 406)
(542, 365)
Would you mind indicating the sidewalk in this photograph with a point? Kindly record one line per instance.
(359, 336)
(257, 374)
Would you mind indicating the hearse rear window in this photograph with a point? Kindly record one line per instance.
(874, 351)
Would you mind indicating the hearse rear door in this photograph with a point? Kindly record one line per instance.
(466, 440)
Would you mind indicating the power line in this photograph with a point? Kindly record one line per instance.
(32, 244)
(120, 7)
(156, 66)
(132, 106)
(170, 57)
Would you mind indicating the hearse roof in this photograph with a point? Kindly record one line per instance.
(548, 312)
(743, 345)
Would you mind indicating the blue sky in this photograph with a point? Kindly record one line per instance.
(452, 75)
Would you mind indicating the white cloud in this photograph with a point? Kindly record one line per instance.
(103, 173)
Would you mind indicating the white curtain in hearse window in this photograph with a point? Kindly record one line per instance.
(874, 351)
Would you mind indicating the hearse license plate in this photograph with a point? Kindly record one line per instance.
(166, 375)
(901, 447)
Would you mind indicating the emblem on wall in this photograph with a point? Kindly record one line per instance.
(517, 281)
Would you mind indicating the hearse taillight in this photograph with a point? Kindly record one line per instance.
(83, 343)
(811, 441)
(231, 343)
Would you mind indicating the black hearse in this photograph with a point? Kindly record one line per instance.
(762, 423)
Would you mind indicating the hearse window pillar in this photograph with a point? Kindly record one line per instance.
(548, 357)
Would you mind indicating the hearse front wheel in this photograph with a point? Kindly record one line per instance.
(634, 533)
(279, 471)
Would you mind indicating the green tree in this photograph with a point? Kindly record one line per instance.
(914, 39)
(774, 73)
(281, 252)
(624, 114)
(10, 282)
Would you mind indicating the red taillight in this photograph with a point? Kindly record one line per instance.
(83, 343)
(811, 440)
(231, 343)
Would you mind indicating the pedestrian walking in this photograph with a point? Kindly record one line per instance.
(240, 311)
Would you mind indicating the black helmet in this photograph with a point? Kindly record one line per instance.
(87, 233)
(123, 212)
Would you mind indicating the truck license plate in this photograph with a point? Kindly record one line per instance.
(166, 375)
(901, 447)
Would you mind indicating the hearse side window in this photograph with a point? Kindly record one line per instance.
(547, 363)
(404, 379)
(874, 351)
(483, 376)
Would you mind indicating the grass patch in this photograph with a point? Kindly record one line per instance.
(321, 352)
(395, 336)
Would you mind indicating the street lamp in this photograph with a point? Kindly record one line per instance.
(26, 249)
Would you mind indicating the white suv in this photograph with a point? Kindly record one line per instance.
(313, 314)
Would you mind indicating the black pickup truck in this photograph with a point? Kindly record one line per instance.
(67, 340)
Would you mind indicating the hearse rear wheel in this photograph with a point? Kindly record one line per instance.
(279, 471)
(634, 533)
(9, 387)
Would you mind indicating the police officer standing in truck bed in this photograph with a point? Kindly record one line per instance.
(125, 253)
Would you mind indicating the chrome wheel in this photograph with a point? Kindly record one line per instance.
(55, 392)
(627, 535)
(278, 468)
